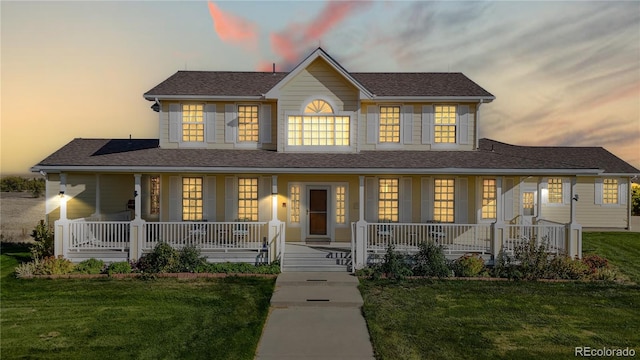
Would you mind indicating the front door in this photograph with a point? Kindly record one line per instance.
(528, 205)
(317, 211)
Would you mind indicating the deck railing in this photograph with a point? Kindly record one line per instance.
(454, 238)
(206, 235)
(551, 236)
(99, 235)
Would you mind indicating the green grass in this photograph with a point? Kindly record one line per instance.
(127, 319)
(622, 249)
(449, 319)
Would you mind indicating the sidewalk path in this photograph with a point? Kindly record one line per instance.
(315, 316)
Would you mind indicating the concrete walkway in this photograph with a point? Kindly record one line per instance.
(315, 315)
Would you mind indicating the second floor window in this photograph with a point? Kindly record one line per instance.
(445, 122)
(248, 123)
(317, 127)
(192, 122)
(389, 124)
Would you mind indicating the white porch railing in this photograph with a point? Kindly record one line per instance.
(206, 235)
(99, 235)
(454, 238)
(552, 236)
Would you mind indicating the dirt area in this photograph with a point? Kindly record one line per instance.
(19, 214)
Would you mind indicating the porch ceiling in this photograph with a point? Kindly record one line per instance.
(145, 155)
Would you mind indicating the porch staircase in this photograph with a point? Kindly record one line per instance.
(303, 257)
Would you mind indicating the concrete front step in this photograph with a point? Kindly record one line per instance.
(315, 268)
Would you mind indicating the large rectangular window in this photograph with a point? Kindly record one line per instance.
(610, 191)
(294, 203)
(248, 123)
(489, 199)
(389, 124)
(445, 124)
(388, 200)
(555, 190)
(248, 199)
(444, 200)
(192, 122)
(192, 198)
(154, 195)
(341, 193)
(318, 130)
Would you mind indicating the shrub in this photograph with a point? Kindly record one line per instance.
(43, 237)
(162, 259)
(468, 265)
(239, 268)
(90, 266)
(607, 274)
(120, 267)
(51, 265)
(564, 267)
(189, 259)
(394, 265)
(25, 270)
(595, 262)
(505, 268)
(430, 261)
(531, 260)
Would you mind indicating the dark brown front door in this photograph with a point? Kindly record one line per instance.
(317, 212)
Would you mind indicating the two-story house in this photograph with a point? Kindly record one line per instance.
(246, 161)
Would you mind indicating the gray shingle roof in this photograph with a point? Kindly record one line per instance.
(229, 83)
(145, 153)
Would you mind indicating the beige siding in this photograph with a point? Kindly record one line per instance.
(591, 215)
(318, 79)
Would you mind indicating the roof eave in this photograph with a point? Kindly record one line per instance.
(483, 99)
(203, 97)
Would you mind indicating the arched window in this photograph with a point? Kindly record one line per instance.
(318, 107)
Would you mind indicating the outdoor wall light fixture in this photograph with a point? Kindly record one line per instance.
(576, 197)
(156, 106)
(61, 193)
(135, 193)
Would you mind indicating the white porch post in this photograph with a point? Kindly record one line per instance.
(574, 230)
(360, 259)
(275, 225)
(96, 214)
(61, 227)
(136, 232)
(538, 212)
(499, 226)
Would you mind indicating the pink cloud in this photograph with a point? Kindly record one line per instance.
(233, 29)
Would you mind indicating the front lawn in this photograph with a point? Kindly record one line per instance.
(130, 319)
(458, 319)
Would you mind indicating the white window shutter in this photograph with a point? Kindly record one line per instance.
(566, 191)
(265, 124)
(508, 200)
(407, 124)
(210, 199)
(371, 194)
(426, 199)
(210, 122)
(463, 124)
(230, 199)
(427, 123)
(230, 123)
(406, 211)
(175, 199)
(544, 191)
(175, 118)
(622, 192)
(264, 198)
(372, 124)
(461, 199)
(598, 191)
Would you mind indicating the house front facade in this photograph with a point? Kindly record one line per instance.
(248, 162)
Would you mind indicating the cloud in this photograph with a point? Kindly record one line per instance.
(295, 41)
(233, 29)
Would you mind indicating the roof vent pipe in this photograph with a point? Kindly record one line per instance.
(274, 68)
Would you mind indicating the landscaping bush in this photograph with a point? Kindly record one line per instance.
(120, 267)
(91, 266)
(505, 268)
(43, 237)
(52, 265)
(162, 259)
(430, 261)
(189, 259)
(595, 262)
(240, 268)
(394, 265)
(25, 270)
(564, 267)
(468, 265)
(531, 259)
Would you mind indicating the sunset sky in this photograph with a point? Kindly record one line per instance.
(563, 73)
